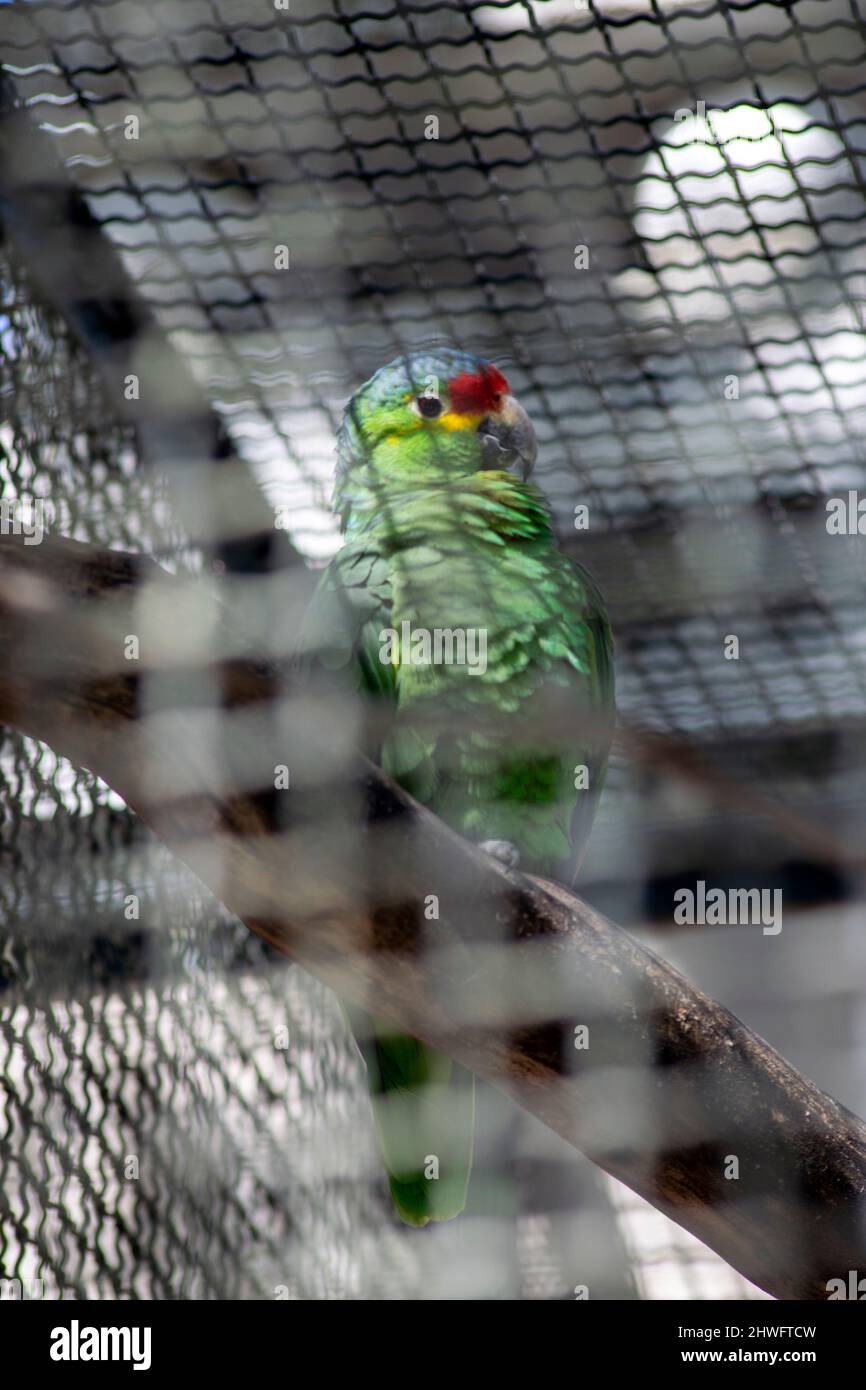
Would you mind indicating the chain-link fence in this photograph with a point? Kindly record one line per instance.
(650, 216)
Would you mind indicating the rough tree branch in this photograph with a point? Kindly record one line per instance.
(336, 872)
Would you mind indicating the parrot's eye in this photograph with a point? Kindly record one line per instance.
(429, 407)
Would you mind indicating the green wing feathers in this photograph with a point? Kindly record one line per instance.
(494, 753)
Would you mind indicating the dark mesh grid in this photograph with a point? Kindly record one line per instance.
(739, 255)
(148, 1030)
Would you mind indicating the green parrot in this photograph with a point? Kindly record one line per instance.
(501, 724)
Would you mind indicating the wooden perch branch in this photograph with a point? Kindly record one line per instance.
(336, 871)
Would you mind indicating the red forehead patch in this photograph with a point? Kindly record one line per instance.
(473, 393)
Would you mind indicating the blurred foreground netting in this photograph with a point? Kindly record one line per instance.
(699, 384)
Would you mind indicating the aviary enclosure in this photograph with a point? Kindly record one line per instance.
(219, 218)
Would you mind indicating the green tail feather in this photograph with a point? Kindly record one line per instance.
(424, 1111)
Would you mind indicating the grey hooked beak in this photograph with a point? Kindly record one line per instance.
(507, 438)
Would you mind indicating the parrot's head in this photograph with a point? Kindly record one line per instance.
(429, 419)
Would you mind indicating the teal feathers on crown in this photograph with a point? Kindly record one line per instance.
(410, 374)
(423, 419)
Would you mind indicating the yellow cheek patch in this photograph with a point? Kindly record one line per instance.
(468, 420)
(450, 421)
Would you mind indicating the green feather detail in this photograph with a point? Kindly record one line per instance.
(424, 1111)
(435, 542)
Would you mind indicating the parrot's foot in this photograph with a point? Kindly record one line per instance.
(503, 851)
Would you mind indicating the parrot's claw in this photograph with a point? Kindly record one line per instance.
(503, 851)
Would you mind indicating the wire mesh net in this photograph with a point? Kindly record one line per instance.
(650, 217)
